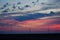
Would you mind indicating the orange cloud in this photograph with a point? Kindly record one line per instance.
(38, 25)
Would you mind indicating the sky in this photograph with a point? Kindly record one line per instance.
(34, 21)
(40, 5)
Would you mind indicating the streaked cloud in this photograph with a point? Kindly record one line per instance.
(42, 25)
(40, 5)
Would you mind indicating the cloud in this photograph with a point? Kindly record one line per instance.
(41, 5)
(42, 25)
(49, 5)
(45, 5)
(52, 4)
(56, 1)
(5, 24)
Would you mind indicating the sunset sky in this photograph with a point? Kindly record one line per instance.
(40, 16)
